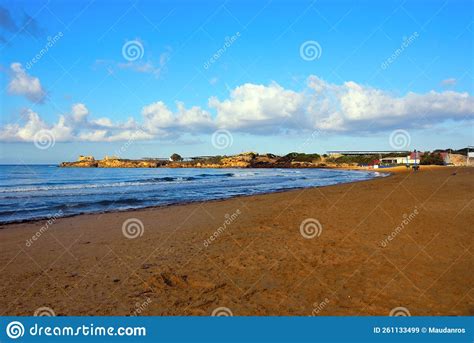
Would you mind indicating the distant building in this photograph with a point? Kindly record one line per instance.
(335, 153)
(413, 158)
(395, 160)
(111, 158)
(470, 155)
(86, 158)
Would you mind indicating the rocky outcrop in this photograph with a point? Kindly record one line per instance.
(118, 163)
(111, 163)
(79, 164)
(244, 160)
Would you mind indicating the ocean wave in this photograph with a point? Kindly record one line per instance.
(95, 185)
(84, 193)
(144, 182)
(73, 206)
(204, 175)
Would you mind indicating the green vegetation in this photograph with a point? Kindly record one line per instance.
(176, 157)
(301, 157)
(363, 159)
(432, 158)
(208, 160)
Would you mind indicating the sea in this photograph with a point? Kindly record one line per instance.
(29, 192)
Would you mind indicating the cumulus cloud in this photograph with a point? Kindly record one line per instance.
(263, 109)
(352, 106)
(347, 107)
(158, 119)
(257, 107)
(79, 112)
(23, 84)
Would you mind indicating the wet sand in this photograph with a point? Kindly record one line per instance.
(400, 241)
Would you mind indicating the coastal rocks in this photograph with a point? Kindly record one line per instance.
(244, 160)
(79, 164)
(118, 163)
(110, 163)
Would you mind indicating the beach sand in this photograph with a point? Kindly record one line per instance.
(259, 263)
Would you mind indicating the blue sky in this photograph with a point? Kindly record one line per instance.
(388, 75)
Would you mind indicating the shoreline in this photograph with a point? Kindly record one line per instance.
(388, 171)
(27, 221)
(258, 263)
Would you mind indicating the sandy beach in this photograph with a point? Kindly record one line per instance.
(400, 241)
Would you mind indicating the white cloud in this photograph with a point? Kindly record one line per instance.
(79, 112)
(74, 126)
(157, 116)
(353, 107)
(193, 119)
(23, 84)
(262, 109)
(257, 107)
